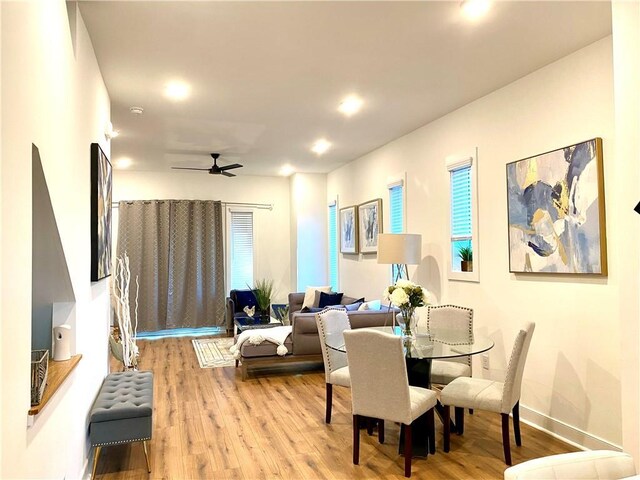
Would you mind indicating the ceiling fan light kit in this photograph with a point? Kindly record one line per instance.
(215, 169)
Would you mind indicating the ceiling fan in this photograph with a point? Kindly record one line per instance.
(215, 169)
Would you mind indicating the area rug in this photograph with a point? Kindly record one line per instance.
(214, 352)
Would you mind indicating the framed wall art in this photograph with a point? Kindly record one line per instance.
(556, 212)
(100, 214)
(349, 230)
(370, 224)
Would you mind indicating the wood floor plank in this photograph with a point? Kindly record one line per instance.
(207, 423)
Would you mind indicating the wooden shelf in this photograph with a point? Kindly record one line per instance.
(58, 373)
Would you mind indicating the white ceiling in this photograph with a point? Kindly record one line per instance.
(266, 77)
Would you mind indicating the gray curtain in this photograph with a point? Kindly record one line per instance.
(176, 249)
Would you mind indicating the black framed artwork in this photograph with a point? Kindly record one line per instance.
(100, 214)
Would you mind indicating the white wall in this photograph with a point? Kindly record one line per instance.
(626, 55)
(309, 226)
(271, 227)
(573, 373)
(58, 101)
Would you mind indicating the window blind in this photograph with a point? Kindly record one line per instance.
(396, 209)
(241, 250)
(333, 247)
(461, 204)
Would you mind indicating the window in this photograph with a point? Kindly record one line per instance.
(396, 214)
(241, 250)
(333, 246)
(463, 239)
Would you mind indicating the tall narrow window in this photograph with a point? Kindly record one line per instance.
(464, 219)
(396, 214)
(461, 233)
(333, 246)
(241, 250)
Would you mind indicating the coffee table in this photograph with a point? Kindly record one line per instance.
(250, 323)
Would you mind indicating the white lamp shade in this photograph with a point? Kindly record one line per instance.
(400, 248)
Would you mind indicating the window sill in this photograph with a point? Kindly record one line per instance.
(58, 373)
(465, 276)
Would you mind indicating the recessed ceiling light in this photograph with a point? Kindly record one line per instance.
(176, 90)
(286, 170)
(474, 9)
(136, 110)
(123, 162)
(321, 146)
(350, 105)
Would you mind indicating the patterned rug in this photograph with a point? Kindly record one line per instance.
(214, 352)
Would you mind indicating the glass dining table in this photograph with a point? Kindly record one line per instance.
(419, 354)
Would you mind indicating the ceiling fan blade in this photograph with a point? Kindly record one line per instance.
(227, 174)
(229, 167)
(190, 168)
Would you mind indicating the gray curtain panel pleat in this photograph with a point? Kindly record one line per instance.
(176, 249)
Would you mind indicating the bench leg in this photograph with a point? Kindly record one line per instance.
(146, 455)
(96, 455)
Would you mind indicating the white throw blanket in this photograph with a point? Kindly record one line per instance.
(256, 336)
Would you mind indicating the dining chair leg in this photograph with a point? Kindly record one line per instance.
(327, 418)
(431, 433)
(505, 438)
(408, 450)
(381, 430)
(459, 413)
(516, 423)
(446, 426)
(369, 426)
(356, 440)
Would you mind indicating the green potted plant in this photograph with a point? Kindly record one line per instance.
(263, 290)
(466, 255)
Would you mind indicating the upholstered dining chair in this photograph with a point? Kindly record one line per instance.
(380, 388)
(485, 394)
(336, 371)
(452, 324)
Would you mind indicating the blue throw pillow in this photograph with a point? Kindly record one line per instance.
(349, 307)
(244, 298)
(327, 299)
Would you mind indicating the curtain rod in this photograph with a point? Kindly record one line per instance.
(262, 206)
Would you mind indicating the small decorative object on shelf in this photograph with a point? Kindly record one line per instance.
(407, 296)
(39, 371)
(249, 311)
(466, 257)
(123, 340)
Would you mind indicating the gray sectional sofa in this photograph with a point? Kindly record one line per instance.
(304, 341)
(304, 332)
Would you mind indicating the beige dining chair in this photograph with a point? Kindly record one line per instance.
(454, 325)
(485, 394)
(380, 388)
(336, 371)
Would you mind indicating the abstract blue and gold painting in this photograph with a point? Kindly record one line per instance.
(555, 203)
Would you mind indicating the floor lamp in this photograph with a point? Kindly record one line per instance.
(400, 249)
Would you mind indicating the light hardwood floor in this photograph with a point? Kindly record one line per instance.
(209, 424)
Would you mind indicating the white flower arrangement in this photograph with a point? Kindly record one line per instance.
(407, 296)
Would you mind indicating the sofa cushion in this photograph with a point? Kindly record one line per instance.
(351, 307)
(310, 295)
(327, 299)
(370, 305)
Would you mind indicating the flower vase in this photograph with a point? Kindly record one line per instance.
(408, 325)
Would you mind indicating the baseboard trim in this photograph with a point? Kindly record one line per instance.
(565, 432)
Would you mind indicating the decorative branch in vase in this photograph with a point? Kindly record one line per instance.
(123, 341)
(407, 296)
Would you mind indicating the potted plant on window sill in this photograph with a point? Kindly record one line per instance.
(466, 255)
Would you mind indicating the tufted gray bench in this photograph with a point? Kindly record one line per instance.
(122, 412)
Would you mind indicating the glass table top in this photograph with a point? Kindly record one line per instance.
(425, 346)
